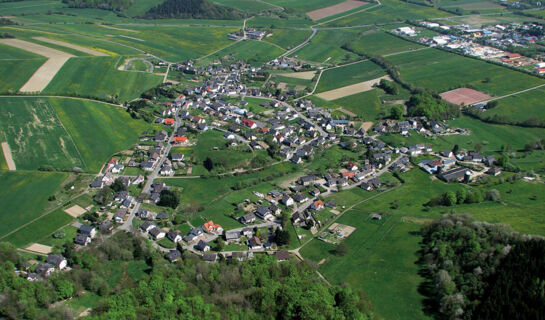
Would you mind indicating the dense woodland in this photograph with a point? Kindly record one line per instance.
(477, 270)
(189, 289)
(193, 9)
(116, 5)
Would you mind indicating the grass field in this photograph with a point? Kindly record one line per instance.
(138, 65)
(351, 74)
(304, 6)
(326, 46)
(23, 196)
(366, 104)
(39, 229)
(521, 106)
(9, 52)
(286, 38)
(381, 43)
(98, 77)
(253, 52)
(16, 73)
(451, 71)
(251, 6)
(140, 7)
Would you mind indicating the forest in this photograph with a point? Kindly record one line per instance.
(116, 5)
(193, 9)
(188, 289)
(477, 270)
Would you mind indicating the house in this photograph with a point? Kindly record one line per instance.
(232, 235)
(255, 243)
(82, 239)
(97, 183)
(457, 174)
(166, 171)
(317, 205)
(287, 201)
(157, 233)
(168, 122)
(282, 255)
(202, 246)
(264, 213)
(210, 227)
(249, 123)
(493, 171)
(307, 180)
(174, 236)
(210, 257)
(300, 198)
(177, 157)
(248, 218)
(89, 231)
(147, 226)
(489, 161)
(229, 136)
(57, 261)
(173, 255)
(105, 225)
(119, 216)
(45, 270)
(180, 140)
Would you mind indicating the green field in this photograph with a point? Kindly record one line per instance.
(16, 73)
(65, 133)
(347, 75)
(9, 52)
(140, 7)
(381, 43)
(139, 65)
(326, 47)
(23, 196)
(251, 6)
(99, 77)
(304, 6)
(286, 38)
(366, 104)
(450, 71)
(522, 106)
(253, 52)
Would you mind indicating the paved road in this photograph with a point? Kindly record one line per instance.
(299, 46)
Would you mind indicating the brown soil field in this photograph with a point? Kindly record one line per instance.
(75, 211)
(307, 75)
(39, 248)
(335, 9)
(465, 96)
(7, 155)
(350, 90)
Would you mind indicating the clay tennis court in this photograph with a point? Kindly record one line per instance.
(335, 9)
(45, 73)
(39, 248)
(72, 46)
(464, 96)
(343, 229)
(350, 90)
(75, 211)
(7, 155)
(307, 75)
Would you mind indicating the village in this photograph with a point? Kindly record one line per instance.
(289, 130)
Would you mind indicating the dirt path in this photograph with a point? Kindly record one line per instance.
(306, 75)
(72, 46)
(7, 154)
(350, 90)
(119, 29)
(45, 73)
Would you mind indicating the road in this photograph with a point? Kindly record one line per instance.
(146, 189)
(511, 94)
(299, 46)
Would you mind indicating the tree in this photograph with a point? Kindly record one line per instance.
(478, 147)
(449, 198)
(396, 112)
(63, 288)
(220, 244)
(208, 164)
(118, 186)
(282, 237)
(493, 195)
(455, 149)
(104, 195)
(178, 219)
(169, 198)
(461, 196)
(342, 249)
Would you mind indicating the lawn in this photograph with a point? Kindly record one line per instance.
(450, 71)
(15, 73)
(287, 38)
(326, 47)
(99, 77)
(253, 52)
(23, 196)
(521, 107)
(347, 75)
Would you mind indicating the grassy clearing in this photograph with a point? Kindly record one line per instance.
(16, 73)
(453, 71)
(326, 46)
(24, 195)
(521, 106)
(253, 52)
(287, 39)
(351, 74)
(99, 77)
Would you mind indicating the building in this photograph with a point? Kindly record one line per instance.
(57, 261)
(458, 174)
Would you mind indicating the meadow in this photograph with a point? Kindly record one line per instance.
(449, 71)
(16, 73)
(366, 104)
(39, 229)
(347, 75)
(99, 77)
(326, 47)
(521, 106)
(253, 52)
(23, 196)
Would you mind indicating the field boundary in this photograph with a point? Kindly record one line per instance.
(7, 155)
(72, 46)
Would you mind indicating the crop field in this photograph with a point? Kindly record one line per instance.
(326, 47)
(9, 52)
(28, 7)
(276, 22)
(16, 73)
(389, 11)
(98, 77)
(348, 75)
(23, 196)
(451, 71)
(304, 6)
(107, 46)
(287, 39)
(366, 104)
(251, 6)
(253, 52)
(468, 6)
(522, 106)
(381, 43)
